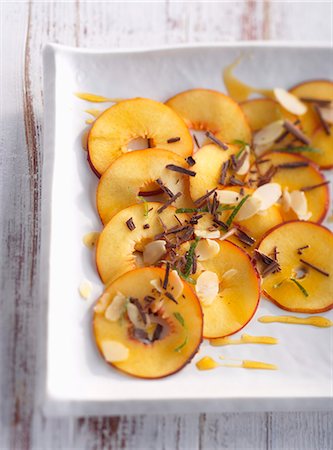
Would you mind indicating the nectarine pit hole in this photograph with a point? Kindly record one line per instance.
(154, 319)
(151, 191)
(138, 143)
(300, 273)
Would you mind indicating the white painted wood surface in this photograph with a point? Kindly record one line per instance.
(26, 27)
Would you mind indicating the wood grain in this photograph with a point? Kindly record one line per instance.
(26, 27)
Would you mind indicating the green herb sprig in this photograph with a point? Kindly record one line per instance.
(145, 204)
(300, 149)
(300, 287)
(235, 211)
(190, 256)
(181, 320)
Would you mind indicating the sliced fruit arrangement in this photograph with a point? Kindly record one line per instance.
(227, 285)
(144, 329)
(191, 239)
(298, 266)
(205, 109)
(125, 121)
(120, 185)
(128, 240)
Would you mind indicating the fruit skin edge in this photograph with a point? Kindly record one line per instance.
(122, 372)
(268, 297)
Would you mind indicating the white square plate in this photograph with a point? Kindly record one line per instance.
(77, 380)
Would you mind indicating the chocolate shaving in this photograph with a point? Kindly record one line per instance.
(136, 302)
(177, 229)
(195, 219)
(275, 253)
(166, 277)
(241, 191)
(315, 267)
(314, 186)
(299, 250)
(285, 133)
(146, 226)
(190, 161)
(245, 238)
(216, 141)
(262, 161)
(272, 265)
(177, 218)
(157, 332)
(194, 264)
(196, 141)
(233, 161)
(290, 127)
(293, 165)
(320, 102)
(202, 199)
(323, 122)
(215, 204)
(179, 169)
(172, 140)
(224, 170)
(220, 223)
(169, 202)
(235, 182)
(171, 297)
(164, 188)
(148, 299)
(240, 161)
(267, 176)
(130, 224)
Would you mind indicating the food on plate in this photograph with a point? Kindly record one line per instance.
(122, 248)
(121, 183)
(205, 109)
(135, 118)
(145, 329)
(296, 264)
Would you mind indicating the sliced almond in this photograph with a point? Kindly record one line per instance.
(268, 194)
(102, 303)
(156, 283)
(227, 197)
(139, 259)
(249, 209)
(228, 234)
(114, 351)
(290, 102)
(228, 275)
(245, 167)
(327, 113)
(207, 234)
(85, 289)
(267, 135)
(135, 316)
(116, 307)
(299, 204)
(261, 149)
(176, 283)
(153, 252)
(286, 200)
(206, 249)
(207, 287)
(157, 305)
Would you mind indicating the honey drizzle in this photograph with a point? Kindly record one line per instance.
(208, 363)
(244, 339)
(315, 321)
(96, 98)
(90, 239)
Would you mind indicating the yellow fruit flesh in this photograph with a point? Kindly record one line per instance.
(323, 142)
(130, 119)
(288, 238)
(120, 185)
(116, 244)
(238, 296)
(263, 111)
(295, 179)
(160, 358)
(204, 109)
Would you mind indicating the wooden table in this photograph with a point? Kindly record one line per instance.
(26, 27)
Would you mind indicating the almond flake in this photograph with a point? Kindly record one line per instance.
(228, 234)
(267, 135)
(153, 252)
(268, 194)
(207, 234)
(227, 197)
(207, 287)
(116, 307)
(176, 283)
(156, 283)
(327, 113)
(85, 289)
(102, 303)
(249, 209)
(299, 204)
(245, 167)
(206, 249)
(114, 351)
(286, 200)
(290, 102)
(228, 275)
(135, 317)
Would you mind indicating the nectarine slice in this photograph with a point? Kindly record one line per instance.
(236, 298)
(295, 173)
(304, 254)
(125, 121)
(141, 331)
(120, 185)
(205, 109)
(117, 244)
(260, 112)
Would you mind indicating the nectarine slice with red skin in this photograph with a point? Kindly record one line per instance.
(117, 244)
(317, 244)
(120, 185)
(127, 120)
(260, 112)
(164, 356)
(206, 109)
(238, 296)
(296, 179)
(324, 143)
